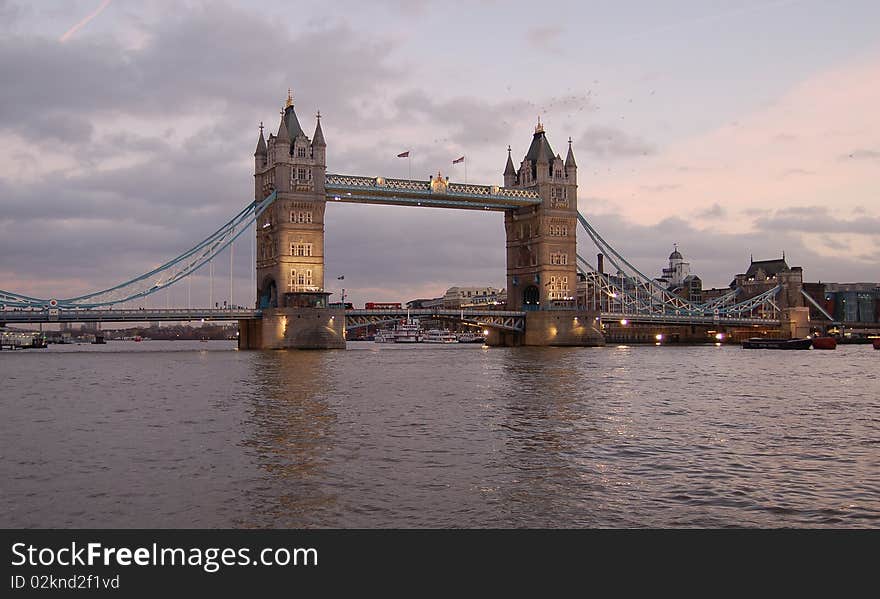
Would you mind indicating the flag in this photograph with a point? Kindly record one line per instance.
(457, 160)
(403, 154)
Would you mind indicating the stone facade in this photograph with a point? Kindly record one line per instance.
(294, 328)
(541, 240)
(290, 233)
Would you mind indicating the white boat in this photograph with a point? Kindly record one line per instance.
(409, 332)
(438, 336)
(384, 336)
(471, 338)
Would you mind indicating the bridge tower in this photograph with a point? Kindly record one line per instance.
(290, 233)
(542, 248)
(541, 240)
(290, 239)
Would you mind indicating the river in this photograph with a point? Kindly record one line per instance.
(175, 434)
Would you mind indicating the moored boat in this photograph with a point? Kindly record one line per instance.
(438, 336)
(409, 332)
(824, 343)
(384, 337)
(764, 343)
(471, 338)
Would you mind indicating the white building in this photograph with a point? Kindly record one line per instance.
(470, 297)
(674, 276)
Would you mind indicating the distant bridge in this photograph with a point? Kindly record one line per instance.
(354, 319)
(499, 319)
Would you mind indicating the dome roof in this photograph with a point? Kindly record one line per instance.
(676, 255)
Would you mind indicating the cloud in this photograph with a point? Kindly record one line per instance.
(661, 187)
(715, 211)
(716, 257)
(544, 37)
(794, 172)
(90, 78)
(817, 219)
(608, 142)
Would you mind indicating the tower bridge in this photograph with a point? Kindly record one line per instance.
(555, 297)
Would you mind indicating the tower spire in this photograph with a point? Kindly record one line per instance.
(318, 137)
(261, 143)
(569, 159)
(289, 102)
(509, 169)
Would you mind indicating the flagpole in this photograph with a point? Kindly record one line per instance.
(409, 162)
(465, 170)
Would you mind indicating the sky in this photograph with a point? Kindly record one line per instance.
(732, 128)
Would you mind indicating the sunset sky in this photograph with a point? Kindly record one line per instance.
(127, 131)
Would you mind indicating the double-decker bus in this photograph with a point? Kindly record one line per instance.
(382, 306)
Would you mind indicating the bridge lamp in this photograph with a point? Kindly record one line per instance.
(658, 337)
(719, 336)
(624, 322)
(485, 331)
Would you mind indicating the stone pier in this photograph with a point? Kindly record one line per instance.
(294, 328)
(553, 328)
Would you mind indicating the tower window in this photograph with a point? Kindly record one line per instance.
(301, 152)
(301, 249)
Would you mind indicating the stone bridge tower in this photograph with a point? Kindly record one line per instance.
(290, 233)
(542, 248)
(290, 242)
(541, 242)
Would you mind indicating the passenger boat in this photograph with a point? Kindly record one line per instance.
(824, 343)
(764, 343)
(384, 337)
(471, 338)
(409, 332)
(438, 336)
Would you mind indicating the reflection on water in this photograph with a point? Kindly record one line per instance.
(180, 434)
(292, 426)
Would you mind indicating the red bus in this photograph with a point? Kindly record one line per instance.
(382, 306)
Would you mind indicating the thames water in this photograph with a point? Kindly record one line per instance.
(194, 434)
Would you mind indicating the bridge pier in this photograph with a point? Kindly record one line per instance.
(294, 328)
(575, 328)
(795, 322)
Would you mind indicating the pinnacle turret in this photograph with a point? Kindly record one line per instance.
(509, 169)
(569, 159)
(261, 144)
(318, 138)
